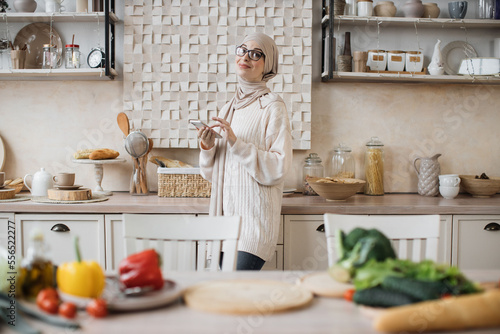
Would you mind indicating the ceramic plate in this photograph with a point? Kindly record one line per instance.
(287, 192)
(34, 36)
(2, 154)
(453, 53)
(73, 187)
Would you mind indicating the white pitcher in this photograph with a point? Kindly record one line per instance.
(40, 182)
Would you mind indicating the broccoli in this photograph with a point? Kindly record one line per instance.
(357, 248)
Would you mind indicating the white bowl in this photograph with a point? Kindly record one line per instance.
(480, 66)
(449, 192)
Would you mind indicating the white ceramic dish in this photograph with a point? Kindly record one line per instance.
(117, 302)
(480, 66)
(287, 192)
(34, 36)
(453, 53)
(73, 187)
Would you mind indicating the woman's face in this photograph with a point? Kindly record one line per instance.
(250, 70)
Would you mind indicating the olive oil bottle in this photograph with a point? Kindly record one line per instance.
(37, 271)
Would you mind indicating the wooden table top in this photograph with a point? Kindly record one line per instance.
(296, 204)
(323, 315)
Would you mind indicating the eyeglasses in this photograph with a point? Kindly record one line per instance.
(252, 54)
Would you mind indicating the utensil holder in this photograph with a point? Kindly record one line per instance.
(17, 58)
(139, 180)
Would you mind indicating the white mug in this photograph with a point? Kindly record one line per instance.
(449, 180)
(54, 6)
(449, 192)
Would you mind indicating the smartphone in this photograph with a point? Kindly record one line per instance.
(199, 124)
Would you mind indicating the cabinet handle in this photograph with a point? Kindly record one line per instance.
(321, 228)
(60, 228)
(492, 227)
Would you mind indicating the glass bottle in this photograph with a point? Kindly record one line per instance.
(374, 167)
(312, 168)
(37, 271)
(49, 56)
(347, 44)
(72, 56)
(343, 164)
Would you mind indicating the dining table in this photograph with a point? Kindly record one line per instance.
(321, 315)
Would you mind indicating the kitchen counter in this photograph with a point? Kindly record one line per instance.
(123, 202)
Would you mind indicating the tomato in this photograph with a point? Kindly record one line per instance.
(97, 308)
(47, 293)
(67, 310)
(49, 305)
(348, 294)
(446, 295)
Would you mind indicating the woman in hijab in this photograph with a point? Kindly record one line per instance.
(247, 167)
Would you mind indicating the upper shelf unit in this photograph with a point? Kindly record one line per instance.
(108, 18)
(328, 26)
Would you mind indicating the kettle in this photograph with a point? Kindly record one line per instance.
(40, 182)
(428, 175)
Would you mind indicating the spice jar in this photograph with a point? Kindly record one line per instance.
(374, 167)
(312, 168)
(343, 162)
(49, 56)
(72, 56)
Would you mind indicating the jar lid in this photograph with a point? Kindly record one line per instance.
(72, 45)
(374, 141)
(342, 148)
(313, 158)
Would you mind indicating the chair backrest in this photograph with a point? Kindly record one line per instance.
(185, 242)
(413, 237)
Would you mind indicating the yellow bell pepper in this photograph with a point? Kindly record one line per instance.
(81, 278)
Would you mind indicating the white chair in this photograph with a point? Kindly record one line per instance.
(185, 243)
(413, 237)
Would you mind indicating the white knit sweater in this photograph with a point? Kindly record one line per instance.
(254, 173)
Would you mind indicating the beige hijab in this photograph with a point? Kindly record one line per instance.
(246, 93)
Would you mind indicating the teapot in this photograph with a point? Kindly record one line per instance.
(40, 182)
(428, 175)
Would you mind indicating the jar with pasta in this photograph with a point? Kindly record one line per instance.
(342, 162)
(312, 168)
(374, 167)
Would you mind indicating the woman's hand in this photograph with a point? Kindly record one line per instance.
(207, 137)
(226, 130)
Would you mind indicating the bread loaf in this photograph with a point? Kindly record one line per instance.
(480, 310)
(169, 162)
(103, 153)
(83, 154)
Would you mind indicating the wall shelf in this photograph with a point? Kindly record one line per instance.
(421, 22)
(56, 17)
(80, 73)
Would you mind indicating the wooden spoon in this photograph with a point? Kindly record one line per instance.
(123, 123)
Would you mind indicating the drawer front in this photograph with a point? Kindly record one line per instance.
(474, 247)
(7, 230)
(276, 262)
(88, 228)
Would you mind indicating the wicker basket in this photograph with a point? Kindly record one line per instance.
(182, 182)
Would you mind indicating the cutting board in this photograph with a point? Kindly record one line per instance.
(246, 297)
(70, 195)
(322, 284)
(7, 193)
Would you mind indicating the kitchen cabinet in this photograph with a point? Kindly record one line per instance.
(476, 242)
(403, 33)
(7, 228)
(104, 23)
(59, 232)
(305, 245)
(276, 262)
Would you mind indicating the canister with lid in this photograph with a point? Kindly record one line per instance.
(312, 168)
(374, 167)
(343, 164)
(49, 56)
(72, 56)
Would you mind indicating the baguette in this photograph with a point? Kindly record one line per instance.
(103, 153)
(479, 310)
(83, 154)
(170, 163)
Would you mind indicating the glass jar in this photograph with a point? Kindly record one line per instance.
(374, 167)
(49, 56)
(72, 56)
(37, 271)
(312, 168)
(343, 162)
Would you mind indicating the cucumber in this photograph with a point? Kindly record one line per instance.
(380, 297)
(418, 289)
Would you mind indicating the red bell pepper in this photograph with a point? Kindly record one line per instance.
(141, 269)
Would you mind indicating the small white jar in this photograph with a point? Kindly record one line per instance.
(414, 61)
(365, 8)
(377, 60)
(396, 61)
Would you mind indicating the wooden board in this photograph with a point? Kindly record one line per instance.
(7, 193)
(322, 284)
(246, 297)
(70, 195)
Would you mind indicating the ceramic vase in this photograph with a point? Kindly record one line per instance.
(385, 9)
(25, 6)
(436, 67)
(431, 10)
(428, 175)
(413, 8)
